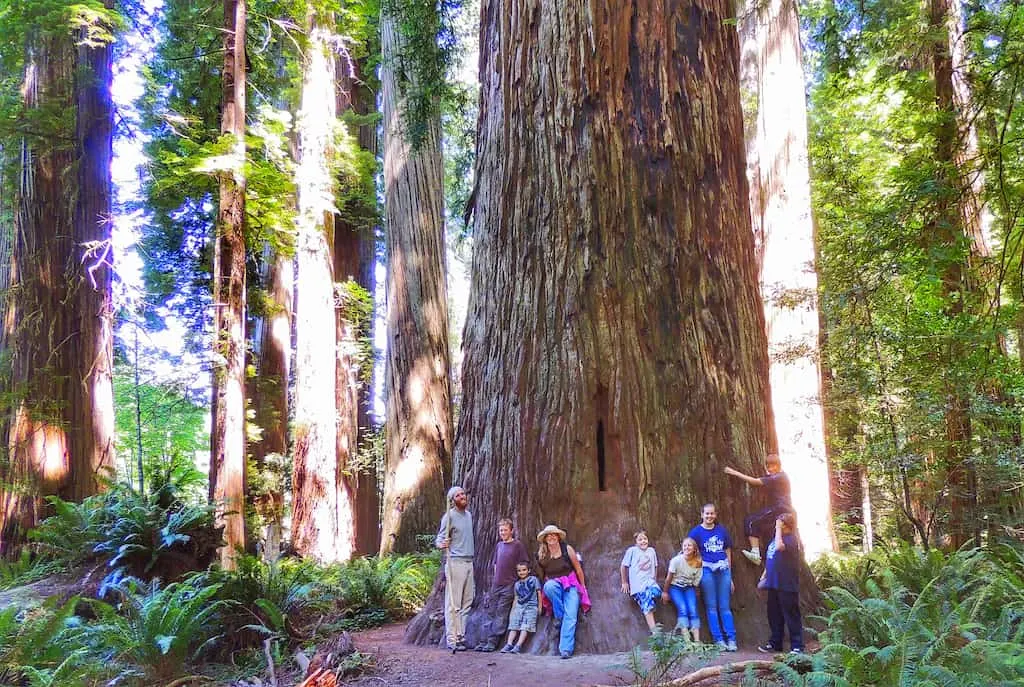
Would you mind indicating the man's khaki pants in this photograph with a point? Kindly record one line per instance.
(458, 596)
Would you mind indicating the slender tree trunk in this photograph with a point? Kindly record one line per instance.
(418, 432)
(57, 328)
(958, 216)
(355, 258)
(780, 201)
(271, 395)
(322, 509)
(227, 459)
(616, 359)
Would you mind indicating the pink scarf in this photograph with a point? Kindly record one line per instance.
(568, 581)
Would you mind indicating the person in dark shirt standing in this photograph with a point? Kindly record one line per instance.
(498, 601)
(781, 581)
(776, 485)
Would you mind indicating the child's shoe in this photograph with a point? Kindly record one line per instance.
(768, 648)
(507, 649)
(515, 650)
(752, 555)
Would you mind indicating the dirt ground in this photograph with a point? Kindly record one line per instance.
(400, 664)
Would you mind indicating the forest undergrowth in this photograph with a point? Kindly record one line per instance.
(898, 616)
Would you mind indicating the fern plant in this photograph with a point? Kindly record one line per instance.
(928, 619)
(45, 646)
(157, 629)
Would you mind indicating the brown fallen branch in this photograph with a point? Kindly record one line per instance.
(321, 677)
(698, 676)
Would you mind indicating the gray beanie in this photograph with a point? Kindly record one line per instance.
(453, 491)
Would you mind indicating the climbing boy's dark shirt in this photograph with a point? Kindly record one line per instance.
(776, 488)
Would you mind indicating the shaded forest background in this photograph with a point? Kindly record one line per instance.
(251, 344)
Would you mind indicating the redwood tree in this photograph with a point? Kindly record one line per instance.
(227, 437)
(418, 431)
(780, 204)
(616, 359)
(322, 508)
(355, 260)
(57, 328)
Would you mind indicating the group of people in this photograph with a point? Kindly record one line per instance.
(702, 568)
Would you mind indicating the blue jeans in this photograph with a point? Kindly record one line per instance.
(685, 599)
(716, 587)
(565, 603)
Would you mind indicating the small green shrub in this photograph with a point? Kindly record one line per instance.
(45, 646)
(157, 629)
(398, 585)
(27, 568)
(139, 535)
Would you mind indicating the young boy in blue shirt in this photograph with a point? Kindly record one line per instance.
(781, 582)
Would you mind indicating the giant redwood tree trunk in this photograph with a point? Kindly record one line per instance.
(57, 328)
(417, 386)
(780, 204)
(616, 359)
(227, 436)
(322, 508)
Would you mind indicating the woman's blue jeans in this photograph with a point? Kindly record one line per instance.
(565, 603)
(716, 588)
(685, 599)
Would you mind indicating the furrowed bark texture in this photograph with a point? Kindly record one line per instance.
(322, 509)
(271, 395)
(417, 385)
(58, 323)
(780, 208)
(355, 258)
(615, 351)
(227, 437)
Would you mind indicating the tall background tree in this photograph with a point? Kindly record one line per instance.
(780, 208)
(58, 323)
(418, 429)
(616, 360)
(227, 437)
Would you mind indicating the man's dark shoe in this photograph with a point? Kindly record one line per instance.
(485, 646)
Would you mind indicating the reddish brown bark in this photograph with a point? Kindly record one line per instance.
(270, 395)
(227, 436)
(957, 217)
(355, 259)
(418, 431)
(57, 327)
(615, 351)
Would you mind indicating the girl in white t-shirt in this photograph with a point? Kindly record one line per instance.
(639, 577)
(681, 585)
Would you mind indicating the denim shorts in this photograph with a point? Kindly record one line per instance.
(523, 618)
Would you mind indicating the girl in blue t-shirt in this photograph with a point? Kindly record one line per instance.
(716, 584)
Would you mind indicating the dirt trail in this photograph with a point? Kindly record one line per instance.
(401, 664)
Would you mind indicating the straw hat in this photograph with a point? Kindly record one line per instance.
(550, 529)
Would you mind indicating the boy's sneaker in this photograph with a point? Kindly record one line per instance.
(515, 650)
(731, 646)
(796, 652)
(752, 555)
(507, 648)
(768, 648)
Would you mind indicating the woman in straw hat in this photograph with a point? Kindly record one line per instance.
(564, 585)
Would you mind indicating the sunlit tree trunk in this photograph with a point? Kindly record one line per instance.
(57, 328)
(355, 259)
(227, 456)
(616, 359)
(780, 202)
(271, 395)
(322, 509)
(418, 429)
